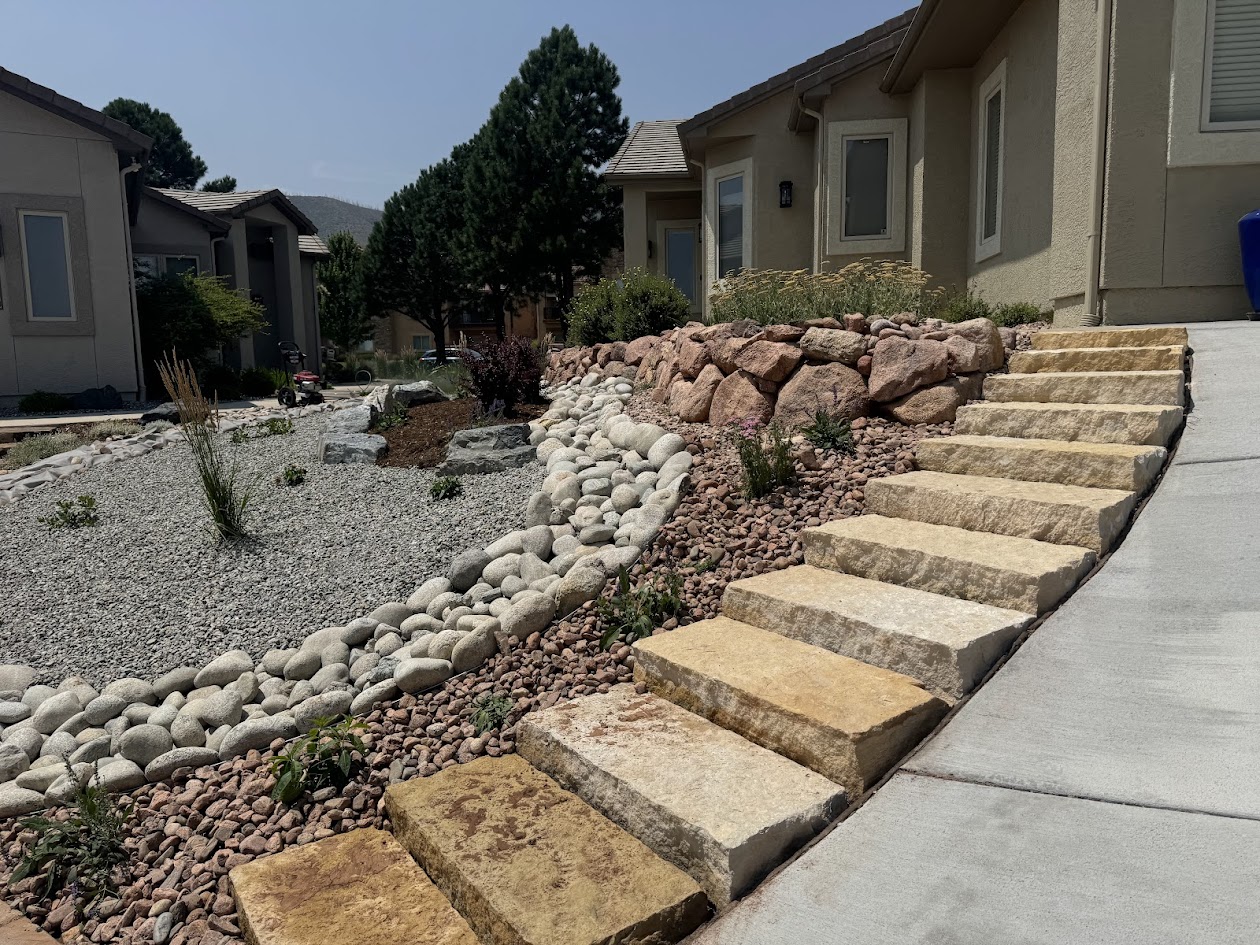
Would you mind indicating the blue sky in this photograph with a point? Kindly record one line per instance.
(353, 99)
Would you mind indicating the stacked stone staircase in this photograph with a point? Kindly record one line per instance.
(625, 816)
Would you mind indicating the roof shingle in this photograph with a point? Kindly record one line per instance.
(236, 204)
(652, 149)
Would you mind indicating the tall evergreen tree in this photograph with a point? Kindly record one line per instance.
(172, 162)
(343, 314)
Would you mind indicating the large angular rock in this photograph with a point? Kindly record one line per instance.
(488, 449)
(988, 340)
(738, 399)
(418, 392)
(899, 366)
(692, 406)
(834, 389)
(830, 344)
(768, 360)
(339, 448)
(693, 357)
(936, 403)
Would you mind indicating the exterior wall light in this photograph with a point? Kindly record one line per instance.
(785, 194)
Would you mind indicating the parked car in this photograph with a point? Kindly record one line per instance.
(453, 353)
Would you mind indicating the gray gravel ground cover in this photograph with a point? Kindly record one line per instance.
(148, 589)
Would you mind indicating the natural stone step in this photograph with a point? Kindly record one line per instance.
(1096, 465)
(945, 643)
(1140, 425)
(1093, 387)
(710, 802)
(1166, 358)
(1046, 511)
(527, 862)
(1019, 573)
(358, 887)
(846, 720)
(1111, 337)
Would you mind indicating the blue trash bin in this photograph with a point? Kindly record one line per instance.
(1249, 242)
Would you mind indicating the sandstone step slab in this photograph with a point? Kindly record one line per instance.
(358, 887)
(846, 720)
(1089, 387)
(1164, 358)
(712, 803)
(942, 642)
(1094, 465)
(1016, 573)
(1147, 336)
(1138, 425)
(1046, 511)
(525, 861)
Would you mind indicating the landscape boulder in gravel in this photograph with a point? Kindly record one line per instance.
(337, 448)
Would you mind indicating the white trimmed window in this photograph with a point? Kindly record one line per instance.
(866, 186)
(46, 265)
(991, 154)
(1231, 74)
(728, 219)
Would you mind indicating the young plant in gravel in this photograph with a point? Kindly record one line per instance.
(446, 487)
(81, 852)
(293, 475)
(631, 614)
(388, 421)
(275, 426)
(240, 435)
(490, 711)
(226, 493)
(327, 756)
(830, 433)
(81, 513)
(765, 453)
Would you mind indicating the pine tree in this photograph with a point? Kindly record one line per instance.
(220, 185)
(343, 315)
(171, 162)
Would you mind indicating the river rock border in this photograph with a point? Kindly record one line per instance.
(612, 483)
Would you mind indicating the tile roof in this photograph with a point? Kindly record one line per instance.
(238, 203)
(125, 138)
(652, 149)
(312, 246)
(208, 220)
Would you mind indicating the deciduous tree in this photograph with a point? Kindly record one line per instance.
(343, 315)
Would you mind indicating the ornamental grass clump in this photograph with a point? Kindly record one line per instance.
(43, 445)
(226, 493)
(765, 453)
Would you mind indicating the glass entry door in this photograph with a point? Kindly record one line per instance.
(682, 257)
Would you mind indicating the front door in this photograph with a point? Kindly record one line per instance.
(682, 258)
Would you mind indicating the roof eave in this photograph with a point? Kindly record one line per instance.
(208, 220)
(125, 139)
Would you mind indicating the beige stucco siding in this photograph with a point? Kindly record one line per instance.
(940, 158)
(162, 230)
(48, 163)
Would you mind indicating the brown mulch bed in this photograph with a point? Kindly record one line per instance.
(421, 441)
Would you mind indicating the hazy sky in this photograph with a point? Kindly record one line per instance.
(353, 99)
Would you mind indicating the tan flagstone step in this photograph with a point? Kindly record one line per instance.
(715, 805)
(1137, 424)
(1165, 358)
(1046, 511)
(942, 642)
(1144, 337)
(359, 887)
(1089, 387)
(846, 720)
(1094, 465)
(525, 861)
(1017, 573)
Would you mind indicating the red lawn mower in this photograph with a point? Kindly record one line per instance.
(303, 385)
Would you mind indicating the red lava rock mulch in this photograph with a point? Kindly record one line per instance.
(422, 440)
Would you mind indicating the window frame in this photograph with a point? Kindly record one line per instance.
(708, 236)
(166, 262)
(26, 267)
(844, 187)
(897, 130)
(663, 228)
(988, 247)
(1206, 125)
(717, 221)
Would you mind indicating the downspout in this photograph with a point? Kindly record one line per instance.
(131, 277)
(705, 284)
(818, 179)
(1098, 170)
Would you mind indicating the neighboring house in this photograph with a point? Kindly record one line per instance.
(1087, 157)
(67, 188)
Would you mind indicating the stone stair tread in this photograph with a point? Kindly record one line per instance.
(1137, 424)
(358, 887)
(1017, 573)
(1161, 358)
(715, 805)
(944, 643)
(1089, 387)
(1046, 511)
(1145, 336)
(1094, 465)
(525, 861)
(840, 717)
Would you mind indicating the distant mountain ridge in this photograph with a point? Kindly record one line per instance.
(338, 216)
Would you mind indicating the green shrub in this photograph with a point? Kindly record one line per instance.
(81, 852)
(41, 446)
(830, 433)
(107, 428)
(636, 304)
(1018, 313)
(508, 372)
(327, 756)
(275, 426)
(42, 401)
(765, 453)
(262, 381)
(389, 421)
(447, 487)
(961, 307)
(630, 615)
(293, 475)
(490, 712)
(81, 513)
(222, 381)
(874, 289)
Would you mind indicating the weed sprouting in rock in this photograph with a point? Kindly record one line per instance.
(240, 435)
(327, 756)
(631, 614)
(275, 426)
(389, 421)
(765, 453)
(293, 475)
(490, 711)
(82, 851)
(445, 487)
(80, 513)
(830, 433)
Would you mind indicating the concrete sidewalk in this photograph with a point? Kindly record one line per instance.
(1104, 787)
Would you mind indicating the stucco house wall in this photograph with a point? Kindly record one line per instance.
(164, 231)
